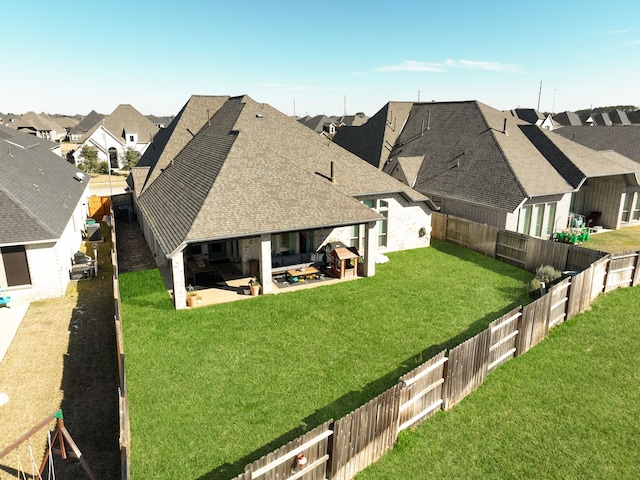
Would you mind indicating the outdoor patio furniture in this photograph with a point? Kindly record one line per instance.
(4, 299)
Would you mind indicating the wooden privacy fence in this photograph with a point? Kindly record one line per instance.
(341, 449)
(517, 249)
(99, 206)
(125, 427)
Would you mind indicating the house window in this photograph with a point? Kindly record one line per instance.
(525, 219)
(356, 237)
(630, 206)
(283, 244)
(635, 213)
(382, 207)
(113, 157)
(16, 267)
(537, 220)
(132, 138)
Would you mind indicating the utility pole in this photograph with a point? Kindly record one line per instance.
(539, 95)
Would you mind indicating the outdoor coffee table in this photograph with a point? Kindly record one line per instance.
(301, 273)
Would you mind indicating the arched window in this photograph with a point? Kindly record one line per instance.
(113, 158)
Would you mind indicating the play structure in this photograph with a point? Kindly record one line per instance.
(59, 443)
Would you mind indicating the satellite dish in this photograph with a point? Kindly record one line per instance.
(79, 176)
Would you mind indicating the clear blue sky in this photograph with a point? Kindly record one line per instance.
(77, 56)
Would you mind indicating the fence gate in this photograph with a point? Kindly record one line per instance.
(421, 393)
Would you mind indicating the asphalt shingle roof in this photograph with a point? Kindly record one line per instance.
(469, 156)
(125, 120)
(254, 170)
(38, 190)
(622, 139)
(373, 140)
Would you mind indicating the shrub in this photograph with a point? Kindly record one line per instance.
(547, 274)
(103, 168)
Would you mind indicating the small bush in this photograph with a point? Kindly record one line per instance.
(546, 273)
(103, 168)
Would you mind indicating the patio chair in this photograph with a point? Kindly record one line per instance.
(593, 219)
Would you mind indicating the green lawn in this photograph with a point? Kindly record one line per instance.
(568, 408)
(621, 240)
(212, 389)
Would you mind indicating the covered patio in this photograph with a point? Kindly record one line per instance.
(236, 289)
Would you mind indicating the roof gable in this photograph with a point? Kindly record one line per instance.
(38, 192)
(373, 140)
(476, 154)
(169, 141)
(254, 170)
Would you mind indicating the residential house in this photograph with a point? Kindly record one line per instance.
(43, 200)
(125, 128)
(42, 126)
(352, 120)
(8, 119)
(321, 124)
(487, 165)
(535, 117)
(567, 118)
(601, 119)
(160, 122)
(619, 117)
(634, 117)
(240, 184)
(83, 126)
(613, 143)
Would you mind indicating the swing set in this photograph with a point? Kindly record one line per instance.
(60, 435)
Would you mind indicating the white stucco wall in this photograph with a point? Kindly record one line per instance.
(102, 141)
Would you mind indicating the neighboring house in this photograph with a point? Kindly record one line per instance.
(125, 128)
(84, 125)
(321, 124)
(43, 200)
(352, 120)
(8, 119)
(486, 165)
(616, 143)
(42, 126)
(601, 119)
(160, 122)
(535, 117)
(618, 117)
(625, 141)
(634, 117)
(568, 118)
(238, 181)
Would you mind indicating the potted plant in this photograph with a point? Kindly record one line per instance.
(192, 298)
(254, 286)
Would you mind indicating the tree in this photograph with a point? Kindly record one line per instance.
(90, 159)
(129, 158)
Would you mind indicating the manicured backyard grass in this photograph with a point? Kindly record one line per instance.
(212, 389)
(621, 240)
(568, 408)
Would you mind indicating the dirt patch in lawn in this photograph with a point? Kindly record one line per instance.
(64, 357)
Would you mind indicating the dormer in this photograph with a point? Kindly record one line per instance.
(130, 138)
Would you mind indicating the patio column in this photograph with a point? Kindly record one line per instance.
(370, 249)
(265, 263)
(179, 288)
